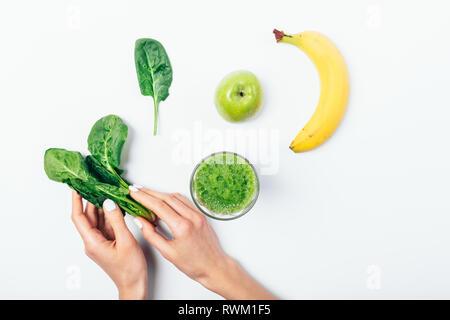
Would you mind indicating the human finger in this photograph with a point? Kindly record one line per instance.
(154, 237)
(114, 216)
(180, 207)
(159, 207)
(88, 233)
(91, 214)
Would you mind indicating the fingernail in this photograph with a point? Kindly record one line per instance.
(109, 205)
(134, 188)
(138, 186)
(137, 223)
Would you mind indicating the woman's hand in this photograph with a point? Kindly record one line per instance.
(111, 245)
(195, 249)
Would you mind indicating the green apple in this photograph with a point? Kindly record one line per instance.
(239, 96)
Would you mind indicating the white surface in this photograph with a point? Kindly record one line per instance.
(372, 204)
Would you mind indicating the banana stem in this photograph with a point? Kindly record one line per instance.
(279, 35)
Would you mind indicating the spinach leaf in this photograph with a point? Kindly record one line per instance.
(105, 142)
(100, 172)
(122, 197)
(69, 167)
(97, 177)
(154, 72)
(62, 165)
(96, 193)
(87, 191)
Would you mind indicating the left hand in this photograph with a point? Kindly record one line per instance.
(111, 245)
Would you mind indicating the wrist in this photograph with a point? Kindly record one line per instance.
(135, 291)
(230, 281)
(223, 277)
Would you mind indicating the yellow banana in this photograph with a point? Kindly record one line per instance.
(334, 82)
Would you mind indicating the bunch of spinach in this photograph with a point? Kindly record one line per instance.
(154, 72)
(97, 177)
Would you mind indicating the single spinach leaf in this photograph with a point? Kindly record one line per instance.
(62, 165)
(87, 191)
(69, 167)
(154, 72)
(105, 142)
(100, 172)
(107, 138)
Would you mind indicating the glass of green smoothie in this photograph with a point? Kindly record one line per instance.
(224, 186)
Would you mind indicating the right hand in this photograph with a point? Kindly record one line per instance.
(195, 249)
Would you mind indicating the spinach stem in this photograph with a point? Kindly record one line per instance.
(123, 183)
(145, 212)
(155, 121)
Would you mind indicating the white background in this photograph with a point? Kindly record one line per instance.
(364, 216)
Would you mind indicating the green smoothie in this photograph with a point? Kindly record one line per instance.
(225, 183)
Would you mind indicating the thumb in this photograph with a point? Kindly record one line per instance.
(154, 237)
(114, 216)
